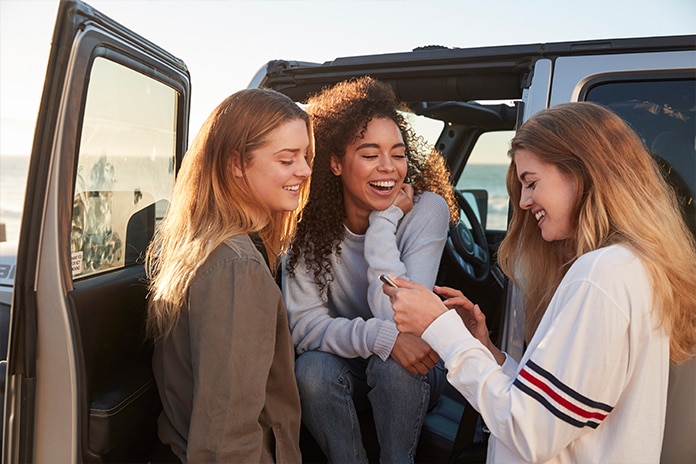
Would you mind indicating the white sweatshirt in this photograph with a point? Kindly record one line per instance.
(591, 386)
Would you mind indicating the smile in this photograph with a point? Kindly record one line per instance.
(292, 188)
(383, 184)
(539, 214)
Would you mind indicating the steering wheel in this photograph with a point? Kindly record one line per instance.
(469, 248)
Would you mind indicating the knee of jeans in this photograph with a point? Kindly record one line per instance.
(317, 373)
(389, 369)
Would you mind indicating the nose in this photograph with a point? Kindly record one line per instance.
(525, 199)
(303, 169)
(386, 163)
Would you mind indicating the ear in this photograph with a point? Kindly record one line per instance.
(336, 165)
(234, 164)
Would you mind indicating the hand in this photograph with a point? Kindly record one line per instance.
(472, 316)
(415, 306)
(404, 199)
(413, 354)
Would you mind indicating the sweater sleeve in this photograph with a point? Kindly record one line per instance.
(567, 383)
(313, 328)
(414, 255)
(233, 312)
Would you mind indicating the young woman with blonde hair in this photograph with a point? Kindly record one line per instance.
(605, 263)
(223, 358)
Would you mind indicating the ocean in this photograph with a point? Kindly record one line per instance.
(13, 173)
(13, 177)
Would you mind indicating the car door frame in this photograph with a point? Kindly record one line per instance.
(45, 406)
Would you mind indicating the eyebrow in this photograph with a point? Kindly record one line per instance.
(524, 175)
(375, 145)
(284, 150)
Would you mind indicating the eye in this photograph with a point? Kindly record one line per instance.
(286, 162)
(531, 185)
(399, 156)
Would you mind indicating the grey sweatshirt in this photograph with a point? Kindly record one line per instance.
(356, 320)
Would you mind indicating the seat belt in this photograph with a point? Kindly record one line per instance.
(465, 433)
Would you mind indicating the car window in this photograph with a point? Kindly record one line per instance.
(125, 171)
(663, 113)
(484, 174)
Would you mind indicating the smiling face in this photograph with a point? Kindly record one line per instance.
(279, 167)
(372, 172)
(548, 194)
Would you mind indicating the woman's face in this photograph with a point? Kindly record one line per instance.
(279, 167)
(548, 194)
(372, 171)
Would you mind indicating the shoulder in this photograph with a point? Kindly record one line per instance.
(428, 209)
(425, 200)
(611, 263)
(235, 252)
(615, 272)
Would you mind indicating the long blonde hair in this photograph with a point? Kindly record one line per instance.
(623, 199)
(209, 204)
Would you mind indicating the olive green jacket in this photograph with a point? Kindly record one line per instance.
(226, 372)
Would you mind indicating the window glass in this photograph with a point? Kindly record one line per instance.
(485, 175)
(125, 170)
(663, 113)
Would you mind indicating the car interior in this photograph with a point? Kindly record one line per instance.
(125, 165)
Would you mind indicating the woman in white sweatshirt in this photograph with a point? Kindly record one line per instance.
(599, 249)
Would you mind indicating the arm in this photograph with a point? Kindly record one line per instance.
(409, 247)
(232, 313)
(313, 327)
(413, 248)
(558, 396)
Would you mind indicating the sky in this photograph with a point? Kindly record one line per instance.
(225, 42)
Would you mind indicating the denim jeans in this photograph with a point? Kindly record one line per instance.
(332, 390)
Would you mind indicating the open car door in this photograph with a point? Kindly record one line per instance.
(110, 134)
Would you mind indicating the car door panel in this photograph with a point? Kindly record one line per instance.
(114, 114)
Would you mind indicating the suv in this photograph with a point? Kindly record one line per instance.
(110, 136)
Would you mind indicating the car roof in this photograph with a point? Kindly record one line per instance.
(438, 74)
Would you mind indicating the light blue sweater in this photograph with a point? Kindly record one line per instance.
(357, 320)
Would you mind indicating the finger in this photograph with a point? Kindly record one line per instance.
(407, 189)
(448, 292)
(404, 283)
(421, 368)
(434, 357)
(462, 301)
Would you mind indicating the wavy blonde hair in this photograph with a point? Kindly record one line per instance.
(623, 199)
(209, 204)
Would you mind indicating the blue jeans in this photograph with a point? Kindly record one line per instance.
(333, 389)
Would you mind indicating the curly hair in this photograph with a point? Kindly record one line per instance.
(340, 115)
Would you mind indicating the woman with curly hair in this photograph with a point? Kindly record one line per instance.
(223, 359)
(605, 262)
(362, 220)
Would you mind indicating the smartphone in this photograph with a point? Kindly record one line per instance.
(385, 278)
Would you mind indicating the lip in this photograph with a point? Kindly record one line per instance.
(385, 190)
(293, 189)
(539, 215)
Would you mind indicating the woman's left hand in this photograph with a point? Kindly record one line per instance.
(415, 306)
(404, 199)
